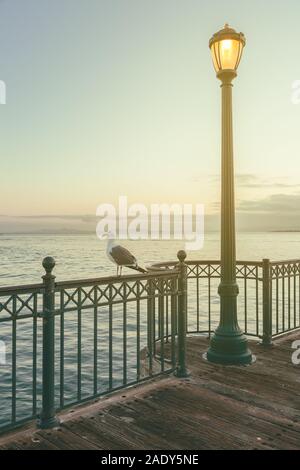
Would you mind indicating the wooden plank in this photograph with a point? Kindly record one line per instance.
(64, 439)
(216, 408)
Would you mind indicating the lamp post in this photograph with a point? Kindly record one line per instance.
(228, 344)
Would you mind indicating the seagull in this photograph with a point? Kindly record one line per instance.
(121, 256)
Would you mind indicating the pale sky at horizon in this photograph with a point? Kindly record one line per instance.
(109, 98)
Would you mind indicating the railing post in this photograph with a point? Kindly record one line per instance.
(151, 323)
(267, 307)
(181, 370)
(47, 416)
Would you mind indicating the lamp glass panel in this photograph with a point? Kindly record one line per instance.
(215, 56)
(229, 53)
(226, 54)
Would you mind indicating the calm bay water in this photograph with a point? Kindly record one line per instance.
(83, 256)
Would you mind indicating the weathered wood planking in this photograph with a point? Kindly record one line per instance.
(254, 407)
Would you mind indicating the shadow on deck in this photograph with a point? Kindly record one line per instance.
(254, 407)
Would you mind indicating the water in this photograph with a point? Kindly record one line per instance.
(83, 256)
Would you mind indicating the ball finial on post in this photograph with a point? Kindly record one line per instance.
(181, 255)
(48, 264)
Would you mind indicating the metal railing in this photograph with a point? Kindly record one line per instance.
(284, 281)
(203, 309)
(268, 301)
(73, 341)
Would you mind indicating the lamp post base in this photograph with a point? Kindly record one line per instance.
(229, 348)
(48, 423)
(182, 373)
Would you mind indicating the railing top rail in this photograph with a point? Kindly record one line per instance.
(287, 261)
(204, 262)
(249, 263)
(118, 279)
(22, 289)
(35, 288)
(155, 270)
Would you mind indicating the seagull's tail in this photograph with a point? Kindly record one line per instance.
(137, 268)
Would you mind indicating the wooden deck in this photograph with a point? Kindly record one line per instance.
(254, 407)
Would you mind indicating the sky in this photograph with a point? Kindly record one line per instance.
(119, 97)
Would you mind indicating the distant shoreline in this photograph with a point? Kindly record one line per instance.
(79, 233)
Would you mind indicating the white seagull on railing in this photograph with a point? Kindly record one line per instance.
(121, 256)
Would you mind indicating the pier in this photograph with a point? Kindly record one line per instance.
(217, 407)
(131, 375)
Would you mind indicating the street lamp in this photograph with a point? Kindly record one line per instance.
(228, 344)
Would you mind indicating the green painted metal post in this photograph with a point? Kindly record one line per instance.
(47, 417)
(228, 345)
(181, 370)
(150, 324)
(267, 307)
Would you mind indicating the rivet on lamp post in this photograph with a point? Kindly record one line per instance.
(228, 344)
